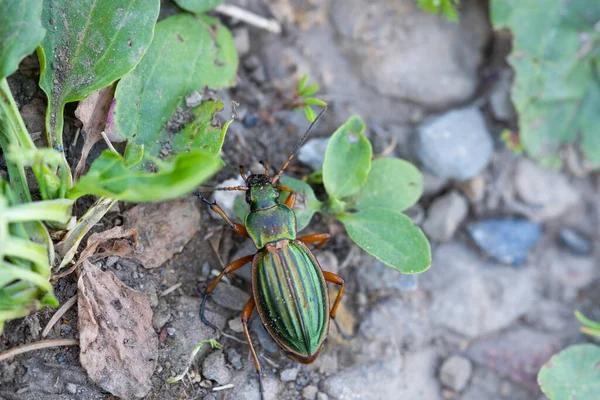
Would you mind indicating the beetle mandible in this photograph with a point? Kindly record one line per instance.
(289, 288)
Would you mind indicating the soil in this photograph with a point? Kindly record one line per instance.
(409, 337)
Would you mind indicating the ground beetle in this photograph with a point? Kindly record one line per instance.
(289, 288)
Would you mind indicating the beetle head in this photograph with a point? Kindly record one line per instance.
(261, 193)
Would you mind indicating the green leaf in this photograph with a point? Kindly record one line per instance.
(109, 176)
(198, 6)
(391, 237)
(446, 7)
(347, 159)
(309, 91)
(311, 101)
(556, 91)
(187, 54)
(306, 201)
(309, 113)
(392, 183)
(572, 374)
(89, 44)
(302, 84)
(20, 32)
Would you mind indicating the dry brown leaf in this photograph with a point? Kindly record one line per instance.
(118, 347)
(163, 229)
(93, 112)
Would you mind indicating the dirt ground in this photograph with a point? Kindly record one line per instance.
(469, 328)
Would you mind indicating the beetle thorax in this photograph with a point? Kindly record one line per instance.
(261, 194)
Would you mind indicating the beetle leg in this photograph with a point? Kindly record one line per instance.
(338, 280)
(291, 200)
(320, 239)
(238, 228)
(248, 308)
(235, 265)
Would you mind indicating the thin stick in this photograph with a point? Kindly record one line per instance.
(218, 388)
(44, 344)
(249, 18)
(61, 311)
(108, 143)
(171, 289)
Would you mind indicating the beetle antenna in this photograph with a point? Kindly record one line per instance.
(265, 166)
(212, 188)
(276, 177)
(243, 173)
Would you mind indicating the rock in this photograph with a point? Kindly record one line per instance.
(377, 276)
(264, 339)
(290, 374)
(445, 215)
(161, 314)
(433, 184)
(568, 273)
(456, 372)
(486, 384)
(390, 378)
(71, 388)
(229, 296)
(518, 354)
(391, 325)
(322, 396)
(235, 324)
(455, 145)
(416, 213)
(310, 392)
(440, 59)
(484, 297)
(506, 240)
(241, 37)
(111, 260)
(245, 385)
(499, 99)
(312, 153)
(193, 99)
(226, 199)
(576, 241)
(328, 261)
(547, 192)
(474, 188)
(214, 368)
(234, 358)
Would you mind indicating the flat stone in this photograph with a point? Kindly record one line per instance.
(312, 153)
(290, 374)
(215, 368)
(548, 193)
(517, 354)
(456, 372)
(484, 297)
(245, 385)
(377, 276)
(234, 358)
(161, 314)
(412, 378)
(455, 145)
(487, 384)
(445, 215)
(506, 240)
(229, 296)
(310, 392)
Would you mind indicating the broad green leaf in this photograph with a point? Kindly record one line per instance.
(198, 6)
(391, 237)
(187, 54)
(556, 56)
(347, 159)
(392, 183)
(572, 374)
(20, 32)
(89, 44)
(306, 201)
(109, 176)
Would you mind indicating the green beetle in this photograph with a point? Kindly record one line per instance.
(289, 288)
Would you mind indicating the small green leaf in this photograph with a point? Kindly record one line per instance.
(572, 374)
(309, 91)
(302, 84)
(310, 113)
(392, 183)
(391, 237)
(109, 176)
(311, 101)
(20, 32)
(187, 54)
(89, 44)
(347, 159)
(306, 201)
(198, 6)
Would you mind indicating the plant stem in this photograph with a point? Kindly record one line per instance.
(44, 344)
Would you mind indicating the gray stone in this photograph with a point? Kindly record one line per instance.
(241, 37)
(483, 296)
(568, 273)
(111, 260)
(517, 354)
(445, 215)
(71, 388)
(230, 297)
(390, 378)
(192, 100)
(474, 188)
(214, 368)
(433, 184)
(440, 59)
(264, 339)
(161, 314)
(486, 384)
(455, 145)
(290, 374)
(234, 358)
(312, 153)
(322, 396)
(235, 324)
(378, 276)
(455, 372)
(576, 241)
(310, 392)
(548, 193)
(328, 261)
(245, 385)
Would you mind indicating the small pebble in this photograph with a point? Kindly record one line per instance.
(60, 359)
(110, 261)
(71, 388)
(575, 241)
(193, 100)
(234, 358)
(250, 121)
(456, 372)
(290, 374)
(235, 324)
(310, 392)
(322, 396)
(171, 331)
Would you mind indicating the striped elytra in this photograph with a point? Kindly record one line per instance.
(291, 297)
